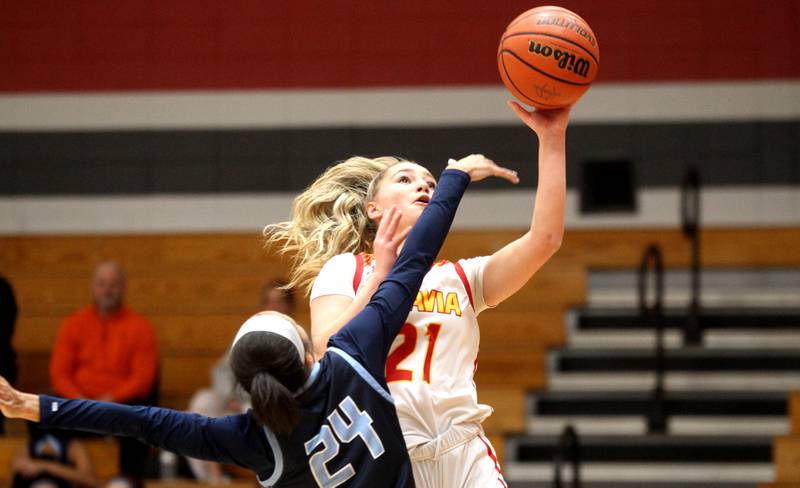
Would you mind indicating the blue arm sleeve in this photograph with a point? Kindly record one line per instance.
(369, 335)
(235, 439)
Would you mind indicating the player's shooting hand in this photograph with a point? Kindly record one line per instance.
(544, 122)
(388, 240)
(478, 167)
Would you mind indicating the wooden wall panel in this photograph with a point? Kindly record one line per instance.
(197, 289)
(523, 367)
(786, 456)
(509, 409)
(534, 328)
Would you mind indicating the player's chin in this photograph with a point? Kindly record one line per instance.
(416, 208)
(412, 212)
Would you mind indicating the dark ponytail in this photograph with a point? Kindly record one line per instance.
(268, 367)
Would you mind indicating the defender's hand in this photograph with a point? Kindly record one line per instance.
(478, 167)
(15, 404)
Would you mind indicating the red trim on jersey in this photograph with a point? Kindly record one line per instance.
(492, 456)
(359, 271)
(463, 276)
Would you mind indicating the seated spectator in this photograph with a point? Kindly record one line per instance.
(222, 398)
(8, 316)
(51, 459)
(108, 352)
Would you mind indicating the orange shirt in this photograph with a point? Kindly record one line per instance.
(94, 357)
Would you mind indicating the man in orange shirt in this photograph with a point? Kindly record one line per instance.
(107, 352)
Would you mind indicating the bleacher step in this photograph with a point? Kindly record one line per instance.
(635, 484)
(711, 318)
(686, 359)
(729, 403)
(712, 339)
(640, 475)
(697, 381)
(676, 425)
(647, 449)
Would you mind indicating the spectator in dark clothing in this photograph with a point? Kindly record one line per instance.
(8, 315)
(51, 459)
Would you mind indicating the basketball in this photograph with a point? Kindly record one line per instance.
(548, 57)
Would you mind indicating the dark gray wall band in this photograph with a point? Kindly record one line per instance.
(211, 161)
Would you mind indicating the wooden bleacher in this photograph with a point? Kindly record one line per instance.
(786, 456)
(197, 289)
(786, 450)
(104, 454)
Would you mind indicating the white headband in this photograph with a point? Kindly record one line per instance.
(275, 323)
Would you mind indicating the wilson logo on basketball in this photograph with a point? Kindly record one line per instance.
(566, 60)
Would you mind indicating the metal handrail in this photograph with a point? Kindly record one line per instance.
(652, 317)
(690, 203)
(690, 225)
(569, 447)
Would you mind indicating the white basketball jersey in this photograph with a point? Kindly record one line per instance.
(433, 359)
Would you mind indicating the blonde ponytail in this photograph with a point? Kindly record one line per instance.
(329, 218)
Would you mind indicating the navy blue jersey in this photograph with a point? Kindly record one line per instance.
(349, 434)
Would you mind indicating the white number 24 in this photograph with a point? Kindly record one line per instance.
(360, 425)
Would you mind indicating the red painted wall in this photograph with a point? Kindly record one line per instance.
(252, 44)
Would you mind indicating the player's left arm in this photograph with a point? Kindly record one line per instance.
(234, 439)
(508, 269)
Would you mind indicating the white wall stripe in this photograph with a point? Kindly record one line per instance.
(419, 107)
(743, 206)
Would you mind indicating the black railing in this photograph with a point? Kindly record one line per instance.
(652, 316)
(568, 449)
(690, 218)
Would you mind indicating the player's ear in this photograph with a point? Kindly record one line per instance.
(310, 360)
(374, 211)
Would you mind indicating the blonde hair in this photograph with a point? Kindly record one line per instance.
(329, 218)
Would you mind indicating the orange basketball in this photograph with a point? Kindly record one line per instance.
(548, 57)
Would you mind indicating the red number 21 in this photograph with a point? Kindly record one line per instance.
(409, 344)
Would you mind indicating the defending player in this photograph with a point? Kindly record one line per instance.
(431, 365)
(328, 423)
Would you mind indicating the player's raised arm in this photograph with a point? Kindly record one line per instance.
(508, 269)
